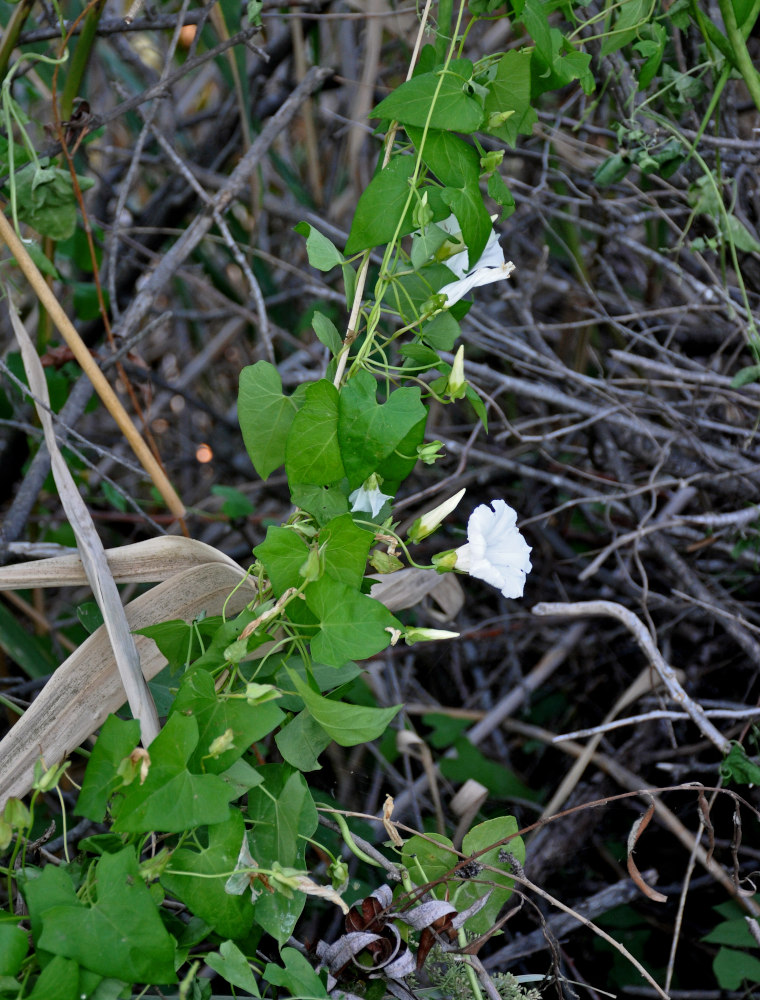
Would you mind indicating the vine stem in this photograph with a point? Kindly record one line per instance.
(737, 38)
(361, 277)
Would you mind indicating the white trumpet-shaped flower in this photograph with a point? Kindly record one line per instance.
(492, 266)
(495, 552)
(368, 497)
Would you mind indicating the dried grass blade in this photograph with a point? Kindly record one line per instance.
(90, 547)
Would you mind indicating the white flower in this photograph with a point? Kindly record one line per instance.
(491, 266)
(368, 497)
(495, 551)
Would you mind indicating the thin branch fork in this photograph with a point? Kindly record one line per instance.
(667, 674)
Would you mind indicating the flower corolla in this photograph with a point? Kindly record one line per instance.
(492, 266)
(368, 497)
(495, 552)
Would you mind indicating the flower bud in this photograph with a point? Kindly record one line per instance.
(430, 453)
(422, 214)
(497, 118)
(429, 522)
(491, 161)
(311, 569)
(221, 744)
(457, 383)
(258, 694)
(413, 635)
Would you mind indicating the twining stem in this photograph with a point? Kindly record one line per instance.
(737, 36)
(361, 277)
(81, 57)
(12, 32)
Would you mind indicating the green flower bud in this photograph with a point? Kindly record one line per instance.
(430, 453)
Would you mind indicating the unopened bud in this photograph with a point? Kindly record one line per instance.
(429, 522)
(413, 635)
(457, 383)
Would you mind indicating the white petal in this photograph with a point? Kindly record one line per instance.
(370, 501)
(496, 552)
(457, 290)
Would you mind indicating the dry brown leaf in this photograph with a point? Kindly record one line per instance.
(86, 687)
(407, 587)
(636, 831)
(149, 561)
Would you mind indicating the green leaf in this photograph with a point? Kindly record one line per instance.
(457, 165)
(352, 625)
(171, 799)
(479, 837)
(467, 204)
(327, 332)
(117, 740)
(345, 547)
(368, 431)
(441, 333)
(734, 932)
(347, 724)
(44, 890)
(556, 62)
(737, 767)
(236, 504)
(499, 780)
(234, 967)
(323, 502)
(632, 15)
(298, 977)
(732, 968)
(454, 162)
(426, 860)
(283, 813)
(312, 454)
(202, 890)
(46, 200)
(323, 254)
(438, 100)
(282, 552)
(215, 714)
(745, 375)
(301, 742)
(121, 935)
(501, 194)
(382, 207)
(399, 464)
(510, 91)
(59, 980)
(182, 642)
(14, 944)
(265, 415)
(29, 651)
(241, 777)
